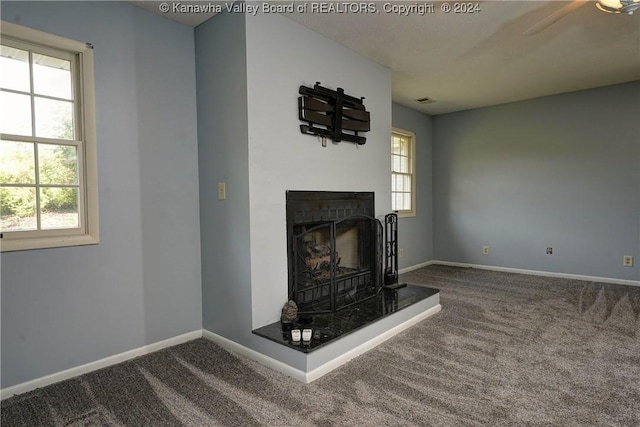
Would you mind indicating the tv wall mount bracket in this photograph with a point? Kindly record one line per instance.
(332, 114)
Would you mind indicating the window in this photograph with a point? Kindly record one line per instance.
(48, 176)
(403, 188)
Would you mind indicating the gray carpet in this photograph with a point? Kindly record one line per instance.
(507, 349)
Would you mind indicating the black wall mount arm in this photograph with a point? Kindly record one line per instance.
(332, 114)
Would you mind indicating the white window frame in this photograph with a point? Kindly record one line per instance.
(88, 232)
(412, 169)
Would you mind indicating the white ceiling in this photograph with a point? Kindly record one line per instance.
(473, 60)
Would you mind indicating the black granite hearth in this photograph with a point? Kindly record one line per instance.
(332, 326)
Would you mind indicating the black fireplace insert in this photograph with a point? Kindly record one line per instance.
(335, 249)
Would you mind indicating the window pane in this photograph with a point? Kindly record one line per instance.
(59, 208)
(18, 208)
(406, 183)
(17, 165)
(404, 164)
(52, 76)
(58, 164)
(406, 202)
(395, 145)
(397, 202)
(404, 147)
(395, 163)
(16, 113)
(54, 119)
(399, 164)
(14, 69)
(397, 182)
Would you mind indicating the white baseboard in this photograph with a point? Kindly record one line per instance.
(256, 356)
(541, 273)
(368, 345)
(415, 267)
(224, 342)
(98, 364)
(307, 377)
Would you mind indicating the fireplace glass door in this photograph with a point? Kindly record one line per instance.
(337, 263)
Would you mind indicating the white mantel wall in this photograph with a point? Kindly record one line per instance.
(281, 56)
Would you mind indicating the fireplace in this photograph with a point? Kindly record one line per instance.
(335, 249)
(343, 276)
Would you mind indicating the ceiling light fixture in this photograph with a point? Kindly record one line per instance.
(618, 6)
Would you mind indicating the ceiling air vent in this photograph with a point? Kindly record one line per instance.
(426, 100)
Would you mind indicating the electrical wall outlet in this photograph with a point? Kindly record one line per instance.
(627, 261)
(549, 251)
(401, 252)
(222, 191)
(485, 250)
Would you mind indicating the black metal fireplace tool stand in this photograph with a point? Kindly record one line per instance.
(391, 253)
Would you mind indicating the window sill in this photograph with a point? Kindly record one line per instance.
(12, 245)
(406, 214)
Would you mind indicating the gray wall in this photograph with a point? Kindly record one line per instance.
(65, 307)
(223, 157)
(248, 73)
(415, 234)
(281, 56)
(560, 171)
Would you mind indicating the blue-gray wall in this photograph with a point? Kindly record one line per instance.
(223, 153)
(248, 76)
(560, 171)
(281, 56)
(65, 307)
(415, 234)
